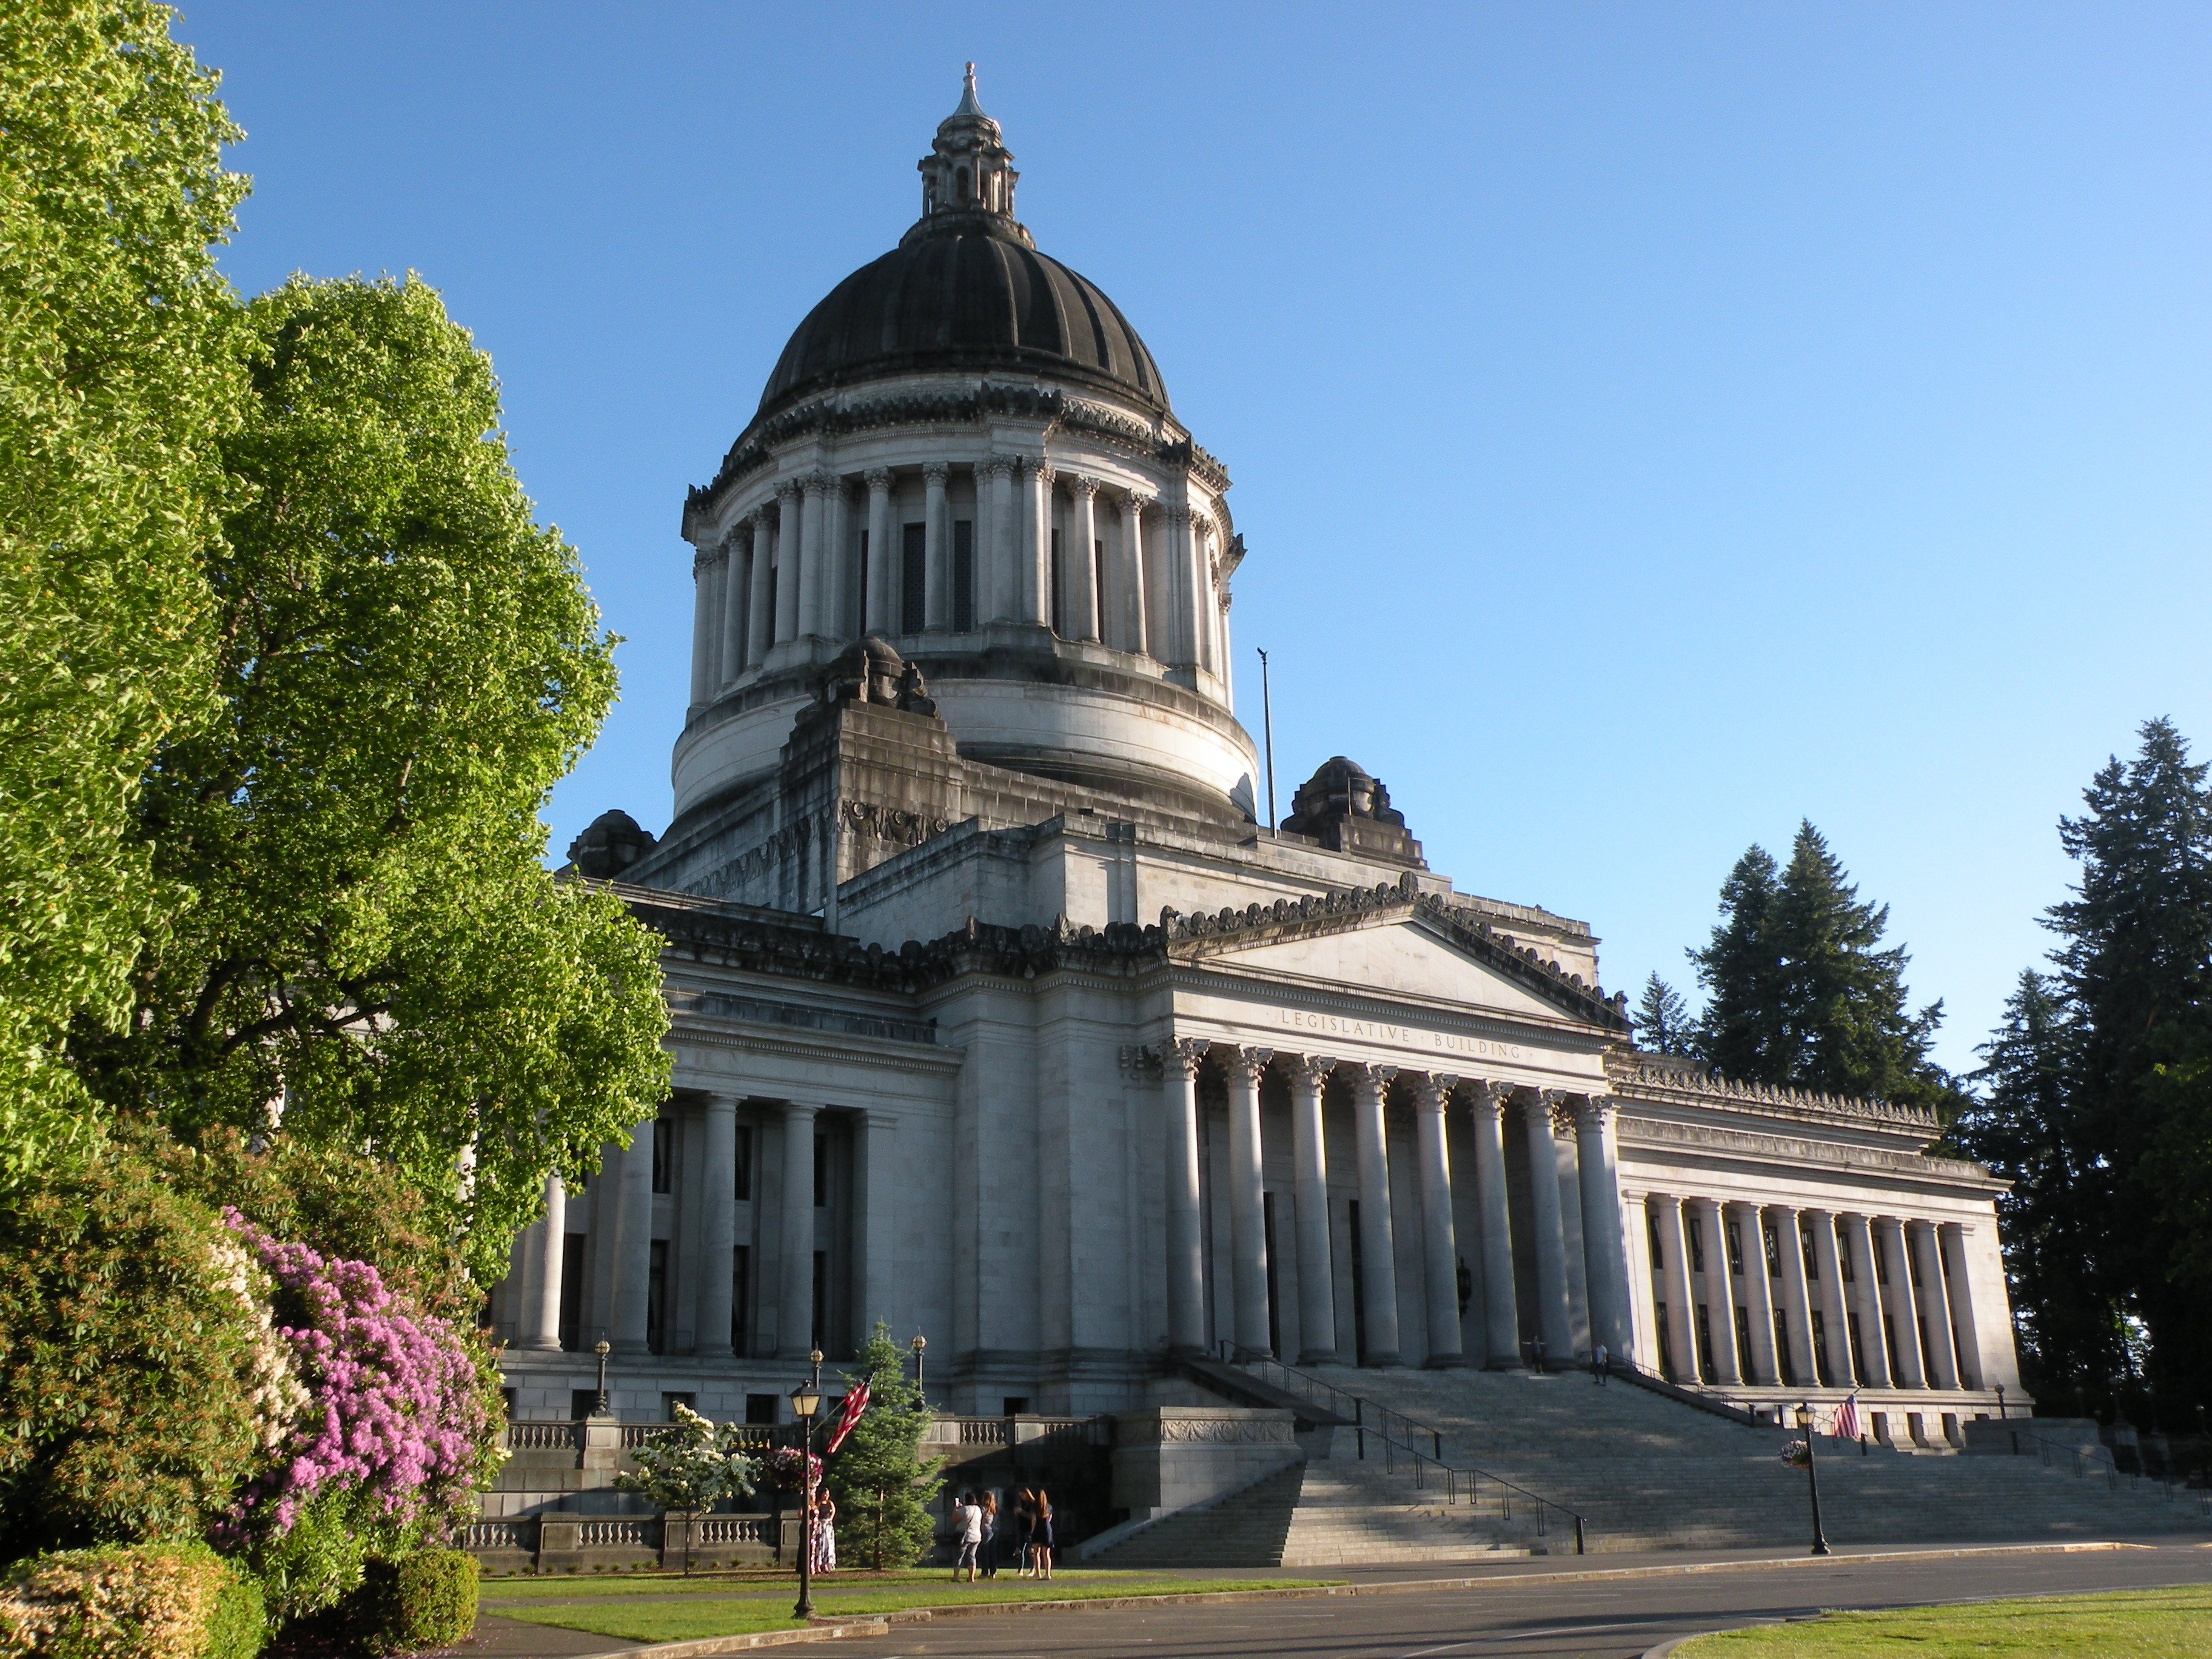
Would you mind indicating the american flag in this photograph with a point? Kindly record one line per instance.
(856, 1403)
(1847, 1417)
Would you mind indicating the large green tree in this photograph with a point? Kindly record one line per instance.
(1800, 991)
(374, 954)
(883, 1484)
(117, 374)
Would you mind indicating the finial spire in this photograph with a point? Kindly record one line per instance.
(967, 103)
(968, 168)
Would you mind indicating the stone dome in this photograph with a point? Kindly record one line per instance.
(966, 289)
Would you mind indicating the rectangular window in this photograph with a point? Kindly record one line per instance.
(1743, 1341)
(1658, 1255)
(582, 1402)
(859, 620)
(743, 1177)
(741, 1300)
(1913, 1263)
(964, 575)
(821, 1297)
(669, 1401)
(1805, 1243)
(663, 1155)
(572, 1292)
(1705, 1372)
(1666, 1348)
(1359, 1287)
(1014, 1405)
(1058, 592)
(1735, 1247)
(1773, 1242)
(1783, 1360)
(821, 1171)
(760, 1407)
(1920, 1326)
(1268, 1236)
(656, 1299)
(1098, 587)
(1880, 1264)
(1697, 1244)
(913, 578)
(1858, 1345)
(1821, 1368)
(1843, 1262)
(1889, 1345)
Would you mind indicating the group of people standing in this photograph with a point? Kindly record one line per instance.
(1030, 1523)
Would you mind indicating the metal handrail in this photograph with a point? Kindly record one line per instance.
(1399, 1440)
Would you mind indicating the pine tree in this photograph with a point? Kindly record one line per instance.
(883, 1484)
(1662, 1019)
(2135, 965)
(1739, 1033)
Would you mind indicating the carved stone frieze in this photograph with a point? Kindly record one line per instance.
(895, 825)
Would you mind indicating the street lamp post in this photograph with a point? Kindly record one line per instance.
(1811, 1476)
(921, 1399)
(601, 1349)
(2000, 1404)
(805, 1402)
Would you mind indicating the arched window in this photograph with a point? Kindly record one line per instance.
(960, 187)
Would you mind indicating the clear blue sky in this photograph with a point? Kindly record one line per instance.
(1651, 425)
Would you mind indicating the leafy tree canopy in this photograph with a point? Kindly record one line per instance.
(1800, 993)
(118, 373)
(375, 954)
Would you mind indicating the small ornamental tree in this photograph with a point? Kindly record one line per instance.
(883, 1484)
(691, 1468)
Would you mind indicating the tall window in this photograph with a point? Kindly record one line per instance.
(1060, 621)
(1735, 1247)
(1666, 1348)
(821, 1171)
(913, 574)
(1098, 588)
(741, 1311)
(1805, 1239)
(821, 1296)
(1821, 1365)
(743, 1177)
(1743, 1339)
(963, 574)
(1773, 1242)
(1697, 1244)
(1705, 1372)
(859, 620)
(1843, 1262)
(571, 1292)
(1783, 1360)
(1880, 1264)
(656, 1299)
(1658, 1255)
(663, 1155)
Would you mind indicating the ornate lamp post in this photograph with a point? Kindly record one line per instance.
(1811, 1478)
(600, 1348)
(805, 1402)
(921, 1399)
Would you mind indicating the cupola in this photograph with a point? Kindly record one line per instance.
(969, 169)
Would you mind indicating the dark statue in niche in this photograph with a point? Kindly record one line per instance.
(870, 672)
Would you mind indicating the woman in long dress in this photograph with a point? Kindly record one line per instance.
(825, 1532)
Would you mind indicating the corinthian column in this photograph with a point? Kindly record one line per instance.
(1248, 1216)
(718, 1245)
(881, 589)
(816, 587)
(1078, 566)
(1316, 1273)
(998, 555)
(1501, 1317)
(1129, 594)
(1179, 1062)
(1682, 1300)
(1796, 1299)
(732, 623)
(1760, 1365)
(1900, 1306)
(1378, 1262)
(1866, 1302)
(633, 1243)
(1835, 1321)
(1553, 1318)
(936, 548)
(1440, 1248)
(703, 614)
(1605, 1252)
(794, 1313)
(1942, 1360)
(760, 607)
(790, 497)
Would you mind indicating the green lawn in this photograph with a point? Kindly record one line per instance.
(2168, 1624)
(671, 1609)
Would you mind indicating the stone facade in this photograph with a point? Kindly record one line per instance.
(999, 1018)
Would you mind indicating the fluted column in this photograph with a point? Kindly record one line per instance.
(1309, 1154)
(998, 547)
(1501, 1317)
(1605, 1251)
(735, 585)
(1827, 1271)
(1378, 1258)
(815, 582)
(1179, 1063)
(1865, 1302)
(1552, 1317)
(1720, 1292)
(1439, 1248)
(794, 1313)
(760, 608)
(702, 613)
(1900, 1305)
(633, 1285)
(1796, 1299)
(936, 547)
(541, 1319)
(1129, 597)
(1681, 1296)
(1078, 565)
(1759, 1365)
(1248, 1215)
(1964, 1316)
(881, 595)
(1935, 1303)
(790, 540)
(1204, 612)
(1033, 494)
(718, 1240)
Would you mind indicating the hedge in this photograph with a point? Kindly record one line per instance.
(427, 1600)
(131, 1602)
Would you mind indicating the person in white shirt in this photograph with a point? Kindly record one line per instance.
(969, 1516)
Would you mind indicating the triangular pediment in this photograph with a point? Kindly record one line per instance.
(1389, 944)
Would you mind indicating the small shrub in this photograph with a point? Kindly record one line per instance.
(131, 1602)
(426, 1600)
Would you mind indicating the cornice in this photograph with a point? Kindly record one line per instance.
(1765, 1148)
(879, 1053)
(1690, 1083)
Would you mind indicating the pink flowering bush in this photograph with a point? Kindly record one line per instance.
(397, 1417)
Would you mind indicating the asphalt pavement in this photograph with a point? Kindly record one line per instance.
(1595, 1607)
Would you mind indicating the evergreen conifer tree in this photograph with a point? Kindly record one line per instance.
(1662, 1019)
(1739, 1033)
(883, 1484)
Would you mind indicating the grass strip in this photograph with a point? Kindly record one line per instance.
(650, 1615)
(2162, 1624)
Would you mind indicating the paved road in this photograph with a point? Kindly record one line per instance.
(1522, 1615)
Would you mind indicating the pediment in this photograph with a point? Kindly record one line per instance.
(1393, 944)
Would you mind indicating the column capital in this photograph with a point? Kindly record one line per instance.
(1429, 1091)
(1540, 1107)
(1595, 1112)
(936, 472)
(1248, 1063)
(878, 477)
(1180, 1057)
(705, 560)
(1312, 1069)
(793, 1109)
(1491, 1096)
(763, 518)
(1175, 513)
(1081, 484)
(1138, 1061)
(995, 467)
(788, 489)
(823, 483)
(1138, 502)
